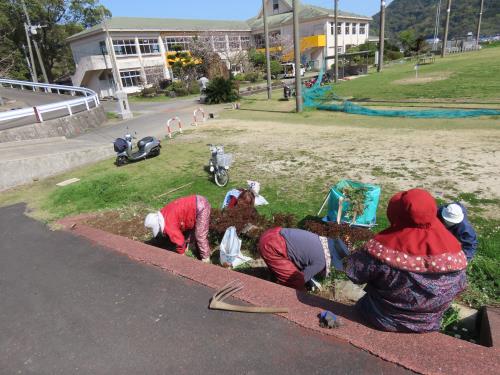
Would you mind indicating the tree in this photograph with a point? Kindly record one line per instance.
(411, 43)
(408, 40)
(59, 20)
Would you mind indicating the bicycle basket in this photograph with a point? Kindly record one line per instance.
(224, 160)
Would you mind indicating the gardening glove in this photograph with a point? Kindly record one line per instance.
(313, 286)
(327, 319)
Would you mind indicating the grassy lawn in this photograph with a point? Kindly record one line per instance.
(297, 157)
(474, 75)
(134, 190)
(158, 98)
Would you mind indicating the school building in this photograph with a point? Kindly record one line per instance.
(142, 45)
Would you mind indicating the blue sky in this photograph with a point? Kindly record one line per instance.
(219, 9)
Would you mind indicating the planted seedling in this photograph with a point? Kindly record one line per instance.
(356, 197)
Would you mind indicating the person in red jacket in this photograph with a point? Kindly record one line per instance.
(181, 216)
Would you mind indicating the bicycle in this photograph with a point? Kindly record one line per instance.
(219, 164)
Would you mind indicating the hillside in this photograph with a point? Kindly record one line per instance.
(419, 15)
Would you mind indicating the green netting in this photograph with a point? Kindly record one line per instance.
(324, 98)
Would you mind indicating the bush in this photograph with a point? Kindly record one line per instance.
(178, 88)
(393, 55)
(239, 77)
(221, 90)
(252, 76)
(276, 68)
(148, 92)
(164, 83)
(193, 88)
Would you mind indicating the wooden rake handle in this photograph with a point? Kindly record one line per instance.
(218, 305)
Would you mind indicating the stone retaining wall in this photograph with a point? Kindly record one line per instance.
(68, 126)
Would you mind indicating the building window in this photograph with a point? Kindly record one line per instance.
(125, 47)
(362, 28)
(354, 28)
(234, 43)
(259, 41)
(276, 6)
(149, 46)
(102, 47)
(130, 78)
(347, 28)
(182, 41)
(245, 42)
(220, 43)
(339, 28)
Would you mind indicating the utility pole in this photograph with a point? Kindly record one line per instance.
(28, 63)
(268, 59)
(123, 107)
(33, 67)
(336, 44)
(39, 55)
(446, 27)
(296, 48)
(479, 23)
(31, 30)
(381, 36)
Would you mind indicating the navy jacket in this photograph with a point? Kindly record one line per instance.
(464, 233)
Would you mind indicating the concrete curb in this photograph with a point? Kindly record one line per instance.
(431, 353)
(24, 170)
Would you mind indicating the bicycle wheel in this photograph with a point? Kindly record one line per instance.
(221, 177)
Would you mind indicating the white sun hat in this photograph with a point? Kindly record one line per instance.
(453, 213)
(154, 222)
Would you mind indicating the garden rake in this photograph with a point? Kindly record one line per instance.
(217, 301)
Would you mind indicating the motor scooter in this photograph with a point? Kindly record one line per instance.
(147, 147)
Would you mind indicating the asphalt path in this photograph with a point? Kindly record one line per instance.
(28, 98)
(68, 307)
(150, 119)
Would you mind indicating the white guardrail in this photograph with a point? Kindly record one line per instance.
(88, 98)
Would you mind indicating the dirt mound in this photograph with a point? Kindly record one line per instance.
(354, 237)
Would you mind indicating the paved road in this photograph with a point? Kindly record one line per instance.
(27, 98)
(70, 307)
(152, 119)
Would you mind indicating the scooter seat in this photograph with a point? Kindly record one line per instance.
(144, 141)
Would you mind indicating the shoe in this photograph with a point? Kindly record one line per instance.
(206, 260)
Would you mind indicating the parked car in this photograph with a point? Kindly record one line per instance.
(289, 70)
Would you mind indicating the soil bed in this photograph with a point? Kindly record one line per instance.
(249, 225)
(132, 226)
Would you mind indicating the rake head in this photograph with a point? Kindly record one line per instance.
(228, 290)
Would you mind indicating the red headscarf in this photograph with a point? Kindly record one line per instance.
(416, 240)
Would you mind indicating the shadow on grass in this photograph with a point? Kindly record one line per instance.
(263, 110)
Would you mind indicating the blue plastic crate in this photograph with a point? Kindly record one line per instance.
(369, 216)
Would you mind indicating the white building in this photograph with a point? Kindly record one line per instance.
(142, 45)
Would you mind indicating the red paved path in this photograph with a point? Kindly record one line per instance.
(431, 353)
